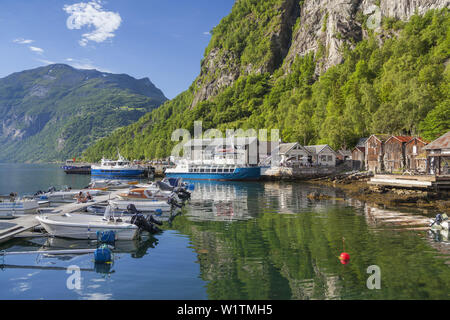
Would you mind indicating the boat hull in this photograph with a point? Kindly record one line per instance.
(117, 172)
(88, 230)
(251, 173)
(148, 206)
(19, 207)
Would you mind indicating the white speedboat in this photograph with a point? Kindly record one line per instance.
(68, 195)
(146, 206)
(10, 208)
(111, 184)
(83, 226)
(146, 194)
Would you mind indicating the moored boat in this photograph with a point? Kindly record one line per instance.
(10, 206)
(146, 206)
(117, 168)
(214, 172)
(82, 226)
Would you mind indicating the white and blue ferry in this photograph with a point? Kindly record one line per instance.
(116, 168)
(216, 159)
(214, 172)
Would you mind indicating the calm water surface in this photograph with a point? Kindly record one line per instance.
(234, 241)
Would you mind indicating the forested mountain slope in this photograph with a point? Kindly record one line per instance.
(320, 71)
(54, 112)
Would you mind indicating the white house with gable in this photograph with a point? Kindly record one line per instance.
(323, 155)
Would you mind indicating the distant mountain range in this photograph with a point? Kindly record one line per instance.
(55, 112)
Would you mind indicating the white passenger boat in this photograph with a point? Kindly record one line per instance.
(146, 206)
(83, 226)
(117, 168)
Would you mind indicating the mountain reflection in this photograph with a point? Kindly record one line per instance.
(283, 245)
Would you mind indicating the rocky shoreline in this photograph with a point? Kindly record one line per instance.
(355, 185)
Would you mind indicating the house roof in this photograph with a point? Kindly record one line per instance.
(380, 137)
(403, 139)
(418, 138)
(443, 142)
(318, 148)
(360, 149)
(345, 152)
(361, 142)
(284, 148)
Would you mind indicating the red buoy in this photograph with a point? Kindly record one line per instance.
(344, 257)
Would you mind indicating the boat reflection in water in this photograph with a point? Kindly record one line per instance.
(219, 201)
(137, 249)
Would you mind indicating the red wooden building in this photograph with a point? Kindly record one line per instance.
(416, 156)
(374, 150)
(394, 153)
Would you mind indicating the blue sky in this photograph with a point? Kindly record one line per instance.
(163, 40)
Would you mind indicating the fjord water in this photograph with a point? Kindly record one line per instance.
(255, 240)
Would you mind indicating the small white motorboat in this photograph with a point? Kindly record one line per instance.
(145, 194)
(441, 222)
(83, 226)
(67, 195)
(146, 206)
(11, 207)
(111, 184)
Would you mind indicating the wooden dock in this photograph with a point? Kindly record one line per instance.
(15, 227)
(427, 182)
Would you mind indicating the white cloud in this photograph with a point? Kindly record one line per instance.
(207, 33)
(85, 64)
(45, 61)
(36, 49)
(23, 41)
(92, 15)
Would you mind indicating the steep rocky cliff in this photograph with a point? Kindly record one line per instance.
(320, 71)
(296, 28)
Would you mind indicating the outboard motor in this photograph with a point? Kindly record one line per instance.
(141, 222)
(173, 202)
(51, 189)
(438, 219)
(153, 220)
(182, 193)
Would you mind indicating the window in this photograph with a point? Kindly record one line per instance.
(323, 158)
(219, 170)
(213, 170)
(414, 149)
(202, 170)
(330, 158)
